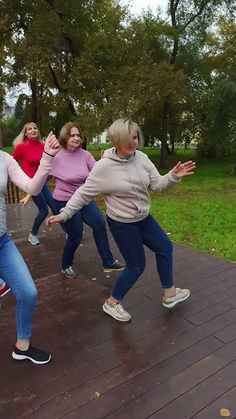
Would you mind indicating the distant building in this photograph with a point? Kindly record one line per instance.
(7, 110)
(101, 138)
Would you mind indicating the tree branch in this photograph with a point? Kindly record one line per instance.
(201, 8)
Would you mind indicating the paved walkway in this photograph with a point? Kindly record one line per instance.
(164, 365)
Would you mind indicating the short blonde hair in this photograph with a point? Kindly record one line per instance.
(65, 133)
(122, 131)
(22, 136)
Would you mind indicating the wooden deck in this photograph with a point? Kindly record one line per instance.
(164, 365)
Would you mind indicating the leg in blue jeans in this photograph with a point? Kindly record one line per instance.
(49, 199)
(94, 219)
(91, 215)
(42, 200)
(157, 240)
(74, 231)
(130, 239)
(15, 273)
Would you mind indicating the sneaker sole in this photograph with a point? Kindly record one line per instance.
(114, 317)
(173, 304)
(28, 358)
(33, 244)
(5, 293)
(107, 270)
(71, 277)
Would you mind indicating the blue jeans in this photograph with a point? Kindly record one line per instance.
(42, 201)
(90, 215)
(130, 239)
(14, 272)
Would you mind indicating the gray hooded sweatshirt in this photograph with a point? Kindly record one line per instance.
(124, 183)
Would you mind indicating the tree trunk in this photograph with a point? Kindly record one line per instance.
(34, 103)
(174, 4)
(234, 166)
(167, 105)
(164, 145)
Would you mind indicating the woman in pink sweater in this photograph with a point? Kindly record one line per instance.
(70, 170)
(13, 269)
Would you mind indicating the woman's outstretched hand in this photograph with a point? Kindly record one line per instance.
(51, 145)
(54, 219)
(25, 200)
(184, 169)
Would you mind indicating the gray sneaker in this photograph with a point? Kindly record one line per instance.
(69, 272)
(33, 239)
(116, 311)
(181, 295)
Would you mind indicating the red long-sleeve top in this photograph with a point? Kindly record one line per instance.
(29, 154)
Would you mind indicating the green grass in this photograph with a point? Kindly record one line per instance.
(205, 223)
(201, 210)
(8, 149)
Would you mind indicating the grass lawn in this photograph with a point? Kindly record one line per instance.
(201, 210)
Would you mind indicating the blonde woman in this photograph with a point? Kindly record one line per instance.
(28, 151)
(124, 176)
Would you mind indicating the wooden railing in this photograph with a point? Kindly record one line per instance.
(13, 193)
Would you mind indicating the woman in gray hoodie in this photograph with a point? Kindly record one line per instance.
(124, 176)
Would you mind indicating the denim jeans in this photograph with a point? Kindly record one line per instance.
(42, 201)
(14, 272)
(130, 239)
(90, 215)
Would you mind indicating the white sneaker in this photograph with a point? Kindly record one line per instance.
(117, 312)
(33, 239)
(181, 295)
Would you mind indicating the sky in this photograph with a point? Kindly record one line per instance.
(136, 6)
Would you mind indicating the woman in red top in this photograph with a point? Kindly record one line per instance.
(28, 151)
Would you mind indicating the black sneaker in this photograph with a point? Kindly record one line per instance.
(116, 266)
(32, 354)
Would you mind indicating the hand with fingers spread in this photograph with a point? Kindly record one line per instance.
(51, 145)
(54, 219)
(184, 169)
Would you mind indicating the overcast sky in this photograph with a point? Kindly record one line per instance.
(136, 6)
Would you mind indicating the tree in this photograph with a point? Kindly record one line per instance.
(187, 18)
(219, 101)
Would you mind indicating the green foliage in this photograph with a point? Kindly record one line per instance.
(91, 61)
(10, 128)
(219, 100)
(20, 109)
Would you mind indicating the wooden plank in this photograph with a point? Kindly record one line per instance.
(226, 401)
(151, 366)
(71, 397)
(187, 392)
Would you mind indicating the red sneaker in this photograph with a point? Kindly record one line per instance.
(4, 290)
